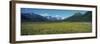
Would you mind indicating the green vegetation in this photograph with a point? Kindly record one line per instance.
(79, 17)
(36, 28)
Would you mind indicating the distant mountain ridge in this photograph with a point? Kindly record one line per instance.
(32, 17)
(53, 18)
(77, 17)
(87, 17)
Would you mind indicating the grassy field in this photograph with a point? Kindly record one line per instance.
(36, 28)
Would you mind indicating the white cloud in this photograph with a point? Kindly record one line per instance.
(44, 14)
(57, 16)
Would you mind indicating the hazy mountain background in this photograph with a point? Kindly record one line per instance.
(77, 17)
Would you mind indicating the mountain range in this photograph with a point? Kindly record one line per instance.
(77, 17)
(87, 17)
(32, 17)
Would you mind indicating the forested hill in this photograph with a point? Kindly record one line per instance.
(78, 17)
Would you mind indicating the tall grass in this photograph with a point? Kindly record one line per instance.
(35, 28)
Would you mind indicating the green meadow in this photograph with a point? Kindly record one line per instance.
(36, 28)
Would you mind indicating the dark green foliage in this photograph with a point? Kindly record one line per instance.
(87, 16)
(75, 17)
(78, 17)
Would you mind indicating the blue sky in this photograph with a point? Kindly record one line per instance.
(51, 12)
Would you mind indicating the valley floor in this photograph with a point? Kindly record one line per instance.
(38, 28)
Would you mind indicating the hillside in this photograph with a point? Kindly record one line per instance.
(78, 17)
(32, 17)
